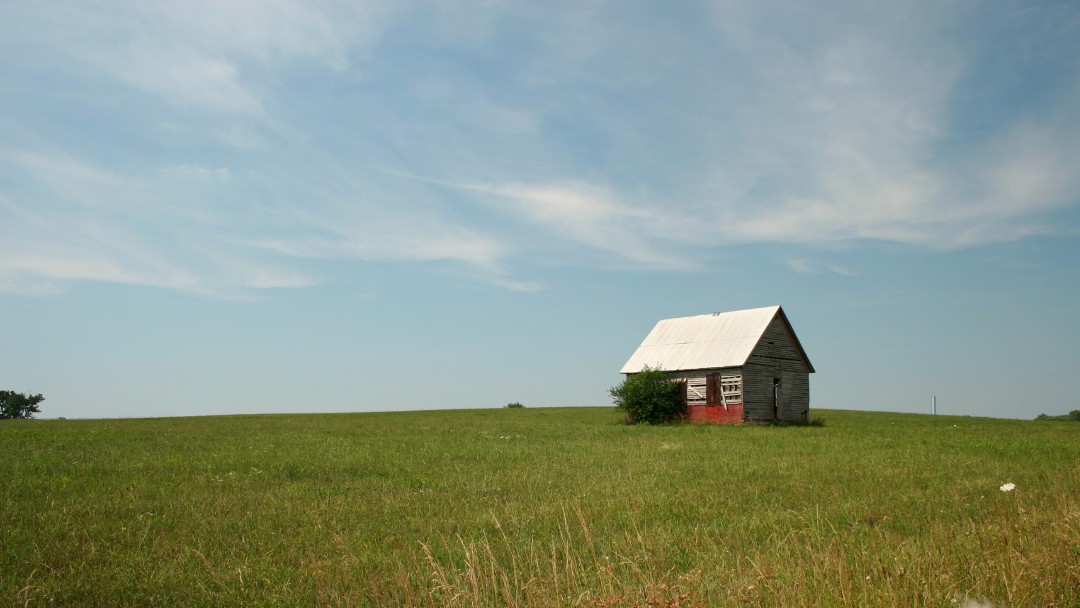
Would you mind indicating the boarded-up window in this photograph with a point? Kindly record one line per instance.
(731, 389)
(695, 391)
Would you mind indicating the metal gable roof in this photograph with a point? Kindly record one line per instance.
(720, 339)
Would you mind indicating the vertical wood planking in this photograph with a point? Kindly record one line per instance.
(776, 356)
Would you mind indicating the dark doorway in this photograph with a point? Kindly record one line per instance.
(776, 398)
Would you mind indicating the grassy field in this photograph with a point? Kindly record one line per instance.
(538, 507)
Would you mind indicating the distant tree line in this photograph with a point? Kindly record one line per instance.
(18, 405)
(1073, 416)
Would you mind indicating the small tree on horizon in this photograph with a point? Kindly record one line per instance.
(18, 405)
(649, 396)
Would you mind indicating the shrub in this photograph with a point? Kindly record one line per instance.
(513, 405)
(649, 396)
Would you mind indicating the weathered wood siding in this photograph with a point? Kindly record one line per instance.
(794, 401)
(704, 373)
(713, 409)
(776, 356)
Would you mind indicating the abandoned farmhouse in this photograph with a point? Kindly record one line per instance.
(733, 366)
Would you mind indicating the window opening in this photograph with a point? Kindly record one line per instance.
(730, 390)
(695, 391)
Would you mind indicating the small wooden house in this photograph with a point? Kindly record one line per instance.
(733, 366)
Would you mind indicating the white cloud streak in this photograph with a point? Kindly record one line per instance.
(860, 111)
(203, 54)
(99, 226)
(648, 140)
(590, 216)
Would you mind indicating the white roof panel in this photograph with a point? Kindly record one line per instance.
(720, 339)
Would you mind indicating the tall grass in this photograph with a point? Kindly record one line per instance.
(538, 507)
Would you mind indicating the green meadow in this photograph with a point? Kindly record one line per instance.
(538, 507)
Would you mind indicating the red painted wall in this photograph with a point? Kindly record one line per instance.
(715, 414)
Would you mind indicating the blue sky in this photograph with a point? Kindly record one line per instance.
(275, 206)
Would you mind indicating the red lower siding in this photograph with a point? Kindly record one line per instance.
(715, 414)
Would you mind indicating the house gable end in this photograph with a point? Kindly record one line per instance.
(779, 346)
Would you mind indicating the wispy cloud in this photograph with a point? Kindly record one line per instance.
(240, 138)
(206, 55)
(811, 266)
(339, 227)
(72, 180)
(365, 232)
(860, 116)
(590, 216)
(837, 125)
(77, 222)
(182, 228)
